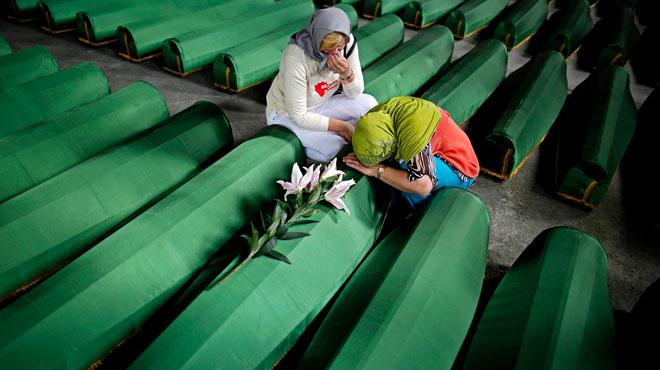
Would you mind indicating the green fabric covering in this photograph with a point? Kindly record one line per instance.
(194, 50)
(470, 80)
(23, 6)
(258, 60)
(252, 319)
(50, 224)
(597, 125)
(398, 128)
(144, 38)
(26, 65)
(522, 21)
(254, 61)
(61, 14)
(523, 111)
(378, 37)
(423, 13)
(567, 28)
(4, 46)
(99, 25)
(35, 154)
(350, 12)
(611, 42)
(473, 15)
(406, 68)
(551, 311)
(111, 290)
(645, 60)
(411, 302)
(376, 8)
(46, 97)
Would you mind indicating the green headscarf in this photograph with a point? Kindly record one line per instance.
(400, 128)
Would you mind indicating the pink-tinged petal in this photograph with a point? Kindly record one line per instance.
(316, 173)
(296, 175)
(289, 187)
(338, 203)
(307, 178)
(331, 170)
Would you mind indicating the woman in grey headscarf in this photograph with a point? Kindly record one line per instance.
(319, 59)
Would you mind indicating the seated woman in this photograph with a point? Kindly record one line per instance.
(320, 58)
(429, 150)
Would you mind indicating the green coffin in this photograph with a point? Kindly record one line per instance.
(23, 7)
(375, 8)
(90, 306)
(255, 61)
(611, 42)
(33, 155)
(567, 28)
(551, 311)
(252, 319)
(596, 128)
(521, 22)
(378, 37)
(98, 26)
(52, 223)
(4, 46)
(44, 98)
(411, 302)
(473, 16)
(192, 51)
(645, 60)
(423, 13)
(142, 40)
(470, 80)
(523, 110)
(60, 15)
(405, 69)
(26, 65)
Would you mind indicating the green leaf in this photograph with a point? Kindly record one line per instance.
(279, 256)
(263, 221)
(282, 230)
(316, 195)
(293, 235)
(301, 222)
(310, 212)
(253, 240)
(268, 247)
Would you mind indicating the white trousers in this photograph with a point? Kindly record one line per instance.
(322, 146)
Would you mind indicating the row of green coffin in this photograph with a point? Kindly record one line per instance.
(408, 305)
(594, 130)
(143, 39)
(48, 225)
(464, 18)
(56, 93)
(108, 293)
(520, 113)
(26, 65)
(257, 60)
(566, 29)
(37, 153)
(191, 51)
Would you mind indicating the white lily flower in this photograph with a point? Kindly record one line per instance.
(337, 191)
(298, 181)
(331, 170)
(315, 175)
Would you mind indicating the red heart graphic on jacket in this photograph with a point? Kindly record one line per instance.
(321, 88)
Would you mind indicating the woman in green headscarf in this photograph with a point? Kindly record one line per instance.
(414, 146)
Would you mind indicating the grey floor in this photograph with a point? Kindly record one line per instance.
(520, 209)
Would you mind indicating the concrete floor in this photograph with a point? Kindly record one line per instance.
(520, 209)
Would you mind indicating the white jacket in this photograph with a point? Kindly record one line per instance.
(300, 86)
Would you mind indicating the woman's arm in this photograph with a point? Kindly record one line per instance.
(394, 177)
(350, 72)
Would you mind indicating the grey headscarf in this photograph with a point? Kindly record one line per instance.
(323, 22)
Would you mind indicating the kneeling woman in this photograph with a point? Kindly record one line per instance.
(320, 58)
(426, 149)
